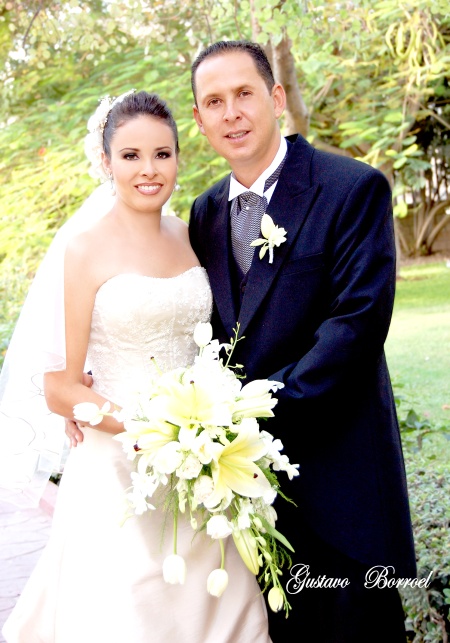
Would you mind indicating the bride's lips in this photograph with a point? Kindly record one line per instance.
(148, 188)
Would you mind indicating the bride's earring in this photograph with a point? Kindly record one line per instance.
(113, 187)
(177, 187)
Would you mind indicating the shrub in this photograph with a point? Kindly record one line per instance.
(427, 609)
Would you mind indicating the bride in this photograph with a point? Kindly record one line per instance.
(133, 290)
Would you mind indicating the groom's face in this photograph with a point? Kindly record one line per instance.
(237, 113)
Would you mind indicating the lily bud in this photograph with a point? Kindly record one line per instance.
(275, 599)
(247, 548)
(174, 569)
(217, 582)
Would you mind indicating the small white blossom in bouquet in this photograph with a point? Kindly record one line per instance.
(196, 434)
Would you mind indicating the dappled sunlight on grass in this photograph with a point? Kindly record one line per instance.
(418, 345)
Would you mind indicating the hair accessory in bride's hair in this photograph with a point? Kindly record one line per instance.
(93, 143)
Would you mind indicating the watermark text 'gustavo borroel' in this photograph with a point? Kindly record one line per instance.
(378, 576)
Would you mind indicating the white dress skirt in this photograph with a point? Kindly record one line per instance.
(100, 579)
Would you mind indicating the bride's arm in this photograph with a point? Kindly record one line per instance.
(73, 429)
(63, 389)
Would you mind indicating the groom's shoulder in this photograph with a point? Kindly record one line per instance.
(212, 192)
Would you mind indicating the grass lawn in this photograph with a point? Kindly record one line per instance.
(418, 345)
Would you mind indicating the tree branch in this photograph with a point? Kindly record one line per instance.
(33, 18)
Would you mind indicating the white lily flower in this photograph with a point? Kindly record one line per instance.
(90, 412)
(273, 236)
(192, 400)
(203, 334)
(174, 569)
(275, 599)
(148, 436)
(219, 527)
(235, 468)
(217, 582)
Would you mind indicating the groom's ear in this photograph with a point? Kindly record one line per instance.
(198, 119)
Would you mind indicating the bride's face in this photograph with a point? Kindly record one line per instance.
(143, 163)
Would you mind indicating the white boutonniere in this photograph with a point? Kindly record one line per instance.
(272, 236)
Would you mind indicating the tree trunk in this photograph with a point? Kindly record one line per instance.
(296, 114)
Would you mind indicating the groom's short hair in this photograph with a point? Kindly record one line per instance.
(246, 46)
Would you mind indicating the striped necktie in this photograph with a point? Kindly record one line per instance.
(246, 214)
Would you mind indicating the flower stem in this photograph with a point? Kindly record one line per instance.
(222, 551)
(175, 529)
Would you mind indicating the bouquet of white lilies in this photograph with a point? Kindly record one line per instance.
(195, 432)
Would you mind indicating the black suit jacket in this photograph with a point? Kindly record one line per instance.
(316, 319)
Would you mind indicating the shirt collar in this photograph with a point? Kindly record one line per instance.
(237, 188)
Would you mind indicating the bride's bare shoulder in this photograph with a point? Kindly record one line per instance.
(176, 225)
(92, 236)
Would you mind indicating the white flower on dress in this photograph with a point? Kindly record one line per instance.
(203, 334)
(90, 412)
(275, 599)
(203, 488)
(168, 458)
(219, 527)
(190, 467)
(174, 569)
(93, 142)
(217, 582)
(273, 236)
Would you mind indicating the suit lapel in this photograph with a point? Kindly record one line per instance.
(219, 268)
(289, 206)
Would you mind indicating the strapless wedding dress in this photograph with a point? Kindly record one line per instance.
(98, 580)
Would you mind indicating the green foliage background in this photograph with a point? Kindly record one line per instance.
(369, 73)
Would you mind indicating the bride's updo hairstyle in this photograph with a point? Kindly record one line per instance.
(131, 106)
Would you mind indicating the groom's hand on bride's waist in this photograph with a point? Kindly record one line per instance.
(73, 429)
(73, 432)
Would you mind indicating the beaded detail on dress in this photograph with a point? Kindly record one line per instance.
(137, 318)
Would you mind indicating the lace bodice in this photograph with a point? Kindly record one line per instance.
(135, 318)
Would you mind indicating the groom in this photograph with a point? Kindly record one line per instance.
(315, 318)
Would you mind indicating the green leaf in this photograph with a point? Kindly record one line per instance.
(276, 534)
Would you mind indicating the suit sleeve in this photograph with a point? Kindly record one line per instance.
(361, 277)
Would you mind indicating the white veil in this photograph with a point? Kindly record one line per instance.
(33, 444)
